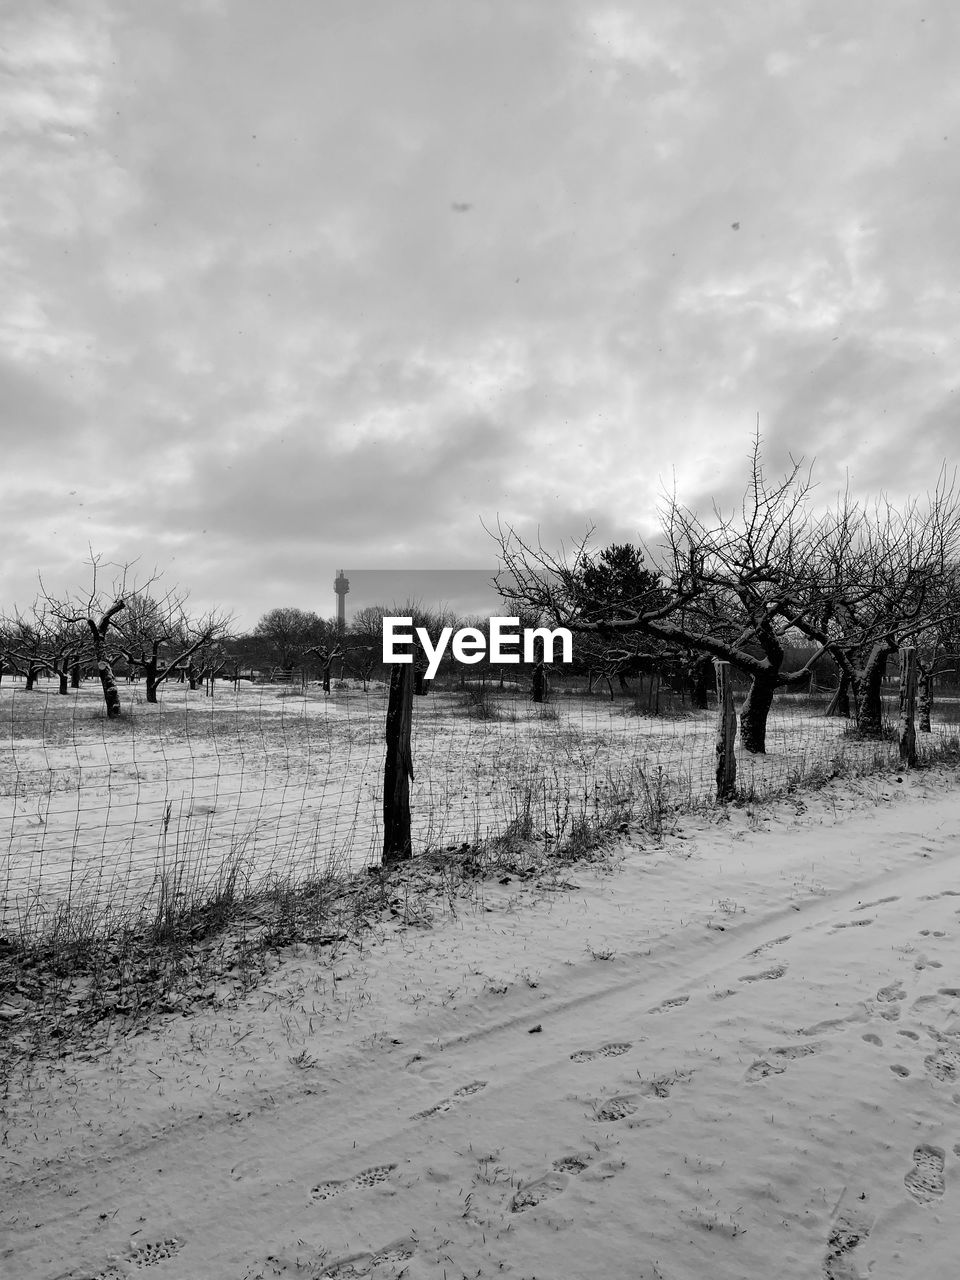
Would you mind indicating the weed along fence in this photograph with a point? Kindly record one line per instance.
(276, 781)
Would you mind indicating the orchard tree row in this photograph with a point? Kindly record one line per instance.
(848, 585)
(137, 628)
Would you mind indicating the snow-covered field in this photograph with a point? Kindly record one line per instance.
(732, 1055)
(290, 782)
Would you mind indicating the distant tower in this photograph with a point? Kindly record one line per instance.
(341, 585)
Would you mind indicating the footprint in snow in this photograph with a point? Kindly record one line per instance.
(674, 1003)
(365, 1178)
(762, 1068)
(925, 1179)
(765, 946)
(467, 1090)
(613, 1050)
(844, 1237)
(661, 1086)
(766, 975)
(614, 1109)
(445, 1104)
(363, 1264)
(943, 1064)
(776, 1060)
(144, 1255)
(534, 1193)
(895, 991)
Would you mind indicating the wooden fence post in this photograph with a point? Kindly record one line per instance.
(906, 729)
(726, 733)
(398, 767)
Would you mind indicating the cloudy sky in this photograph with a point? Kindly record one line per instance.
(293, 285)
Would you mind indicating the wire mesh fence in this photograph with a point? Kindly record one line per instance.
(277, 780)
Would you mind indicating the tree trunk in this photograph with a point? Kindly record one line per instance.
(870, 686)
(539, 682)
(907, 730)
(98, 632)
(726, 734)
(754, 712)
(75, 674)
(64, 681)
(150, 671)
(326, 677)
(840, 702)
(700, 687)
(398, 767)
(111, 694)
(192, 676)
(924, 701)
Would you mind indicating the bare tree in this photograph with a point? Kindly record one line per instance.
(96, 612)
(326, 654)
(99, 619)
(938, 652)
(40, 641)
(6, 663)
(67, 645)
(882, 576)
(728, 586)
(157, 635)
(28, 643)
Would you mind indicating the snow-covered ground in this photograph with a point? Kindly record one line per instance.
(291, 782)
(732, 1055)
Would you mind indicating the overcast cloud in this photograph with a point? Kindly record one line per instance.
(290, 286)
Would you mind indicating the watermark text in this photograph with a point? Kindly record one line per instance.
(469, 644)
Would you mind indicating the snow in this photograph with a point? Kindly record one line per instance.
(290, 782)
(733, 1054)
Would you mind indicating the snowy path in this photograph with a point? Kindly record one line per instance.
(747, 1064)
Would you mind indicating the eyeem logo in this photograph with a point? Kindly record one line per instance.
(470, 643)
